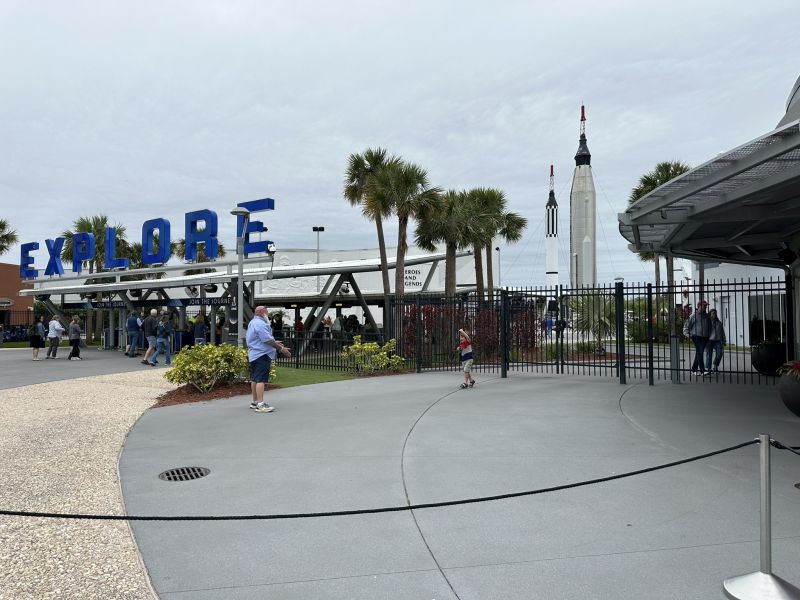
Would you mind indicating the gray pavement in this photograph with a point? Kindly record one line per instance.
(17, 368)
(676, 533)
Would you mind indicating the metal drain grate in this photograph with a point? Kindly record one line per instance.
(184, 474)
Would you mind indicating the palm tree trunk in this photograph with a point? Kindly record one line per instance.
(476, 253)
(384, 261)
(400, 265)
(450, 271)
(489, 278)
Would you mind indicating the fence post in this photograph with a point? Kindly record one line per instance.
(650, 366)
(504, 354)
(619, 294)
(298, 343)
(418, 335)
(560, 339)
(791, 341)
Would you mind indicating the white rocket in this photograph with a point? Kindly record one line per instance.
(551, 241)
(582, 217)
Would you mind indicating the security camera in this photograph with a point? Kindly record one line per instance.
(271, 248)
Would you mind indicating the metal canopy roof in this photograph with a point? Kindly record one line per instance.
(77, 284)
(742, 206)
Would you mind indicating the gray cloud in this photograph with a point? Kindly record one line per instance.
(158, 109)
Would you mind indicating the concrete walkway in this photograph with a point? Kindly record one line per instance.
(17, 368)
(676, 533)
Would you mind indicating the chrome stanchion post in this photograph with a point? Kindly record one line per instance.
(763, 584)
(766, 504)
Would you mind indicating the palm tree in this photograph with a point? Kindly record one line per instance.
(483, 204)
(405, 188)
(8, 237)
(661, 174)
(595, 314)
(446, 222)
(96, 225)
(361, 168)
(178, 248)
(499, 222)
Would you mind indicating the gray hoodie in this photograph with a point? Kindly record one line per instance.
(698, 324)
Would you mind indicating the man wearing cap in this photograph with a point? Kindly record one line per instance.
(698, 328)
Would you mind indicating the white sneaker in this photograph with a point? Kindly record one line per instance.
(77, 358)
(263, 407)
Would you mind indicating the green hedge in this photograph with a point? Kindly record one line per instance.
(207, 366)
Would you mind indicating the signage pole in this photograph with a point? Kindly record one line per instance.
(240, 212)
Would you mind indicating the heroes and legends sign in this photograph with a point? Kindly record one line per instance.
(200, 228)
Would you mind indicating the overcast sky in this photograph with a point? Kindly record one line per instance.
(152, 109)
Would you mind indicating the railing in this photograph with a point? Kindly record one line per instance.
(620, 330)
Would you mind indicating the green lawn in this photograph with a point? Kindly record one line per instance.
(288, 377)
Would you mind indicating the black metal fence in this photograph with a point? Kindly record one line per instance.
(321, 349)
(627, 331)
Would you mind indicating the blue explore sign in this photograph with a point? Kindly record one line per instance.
(200, 228)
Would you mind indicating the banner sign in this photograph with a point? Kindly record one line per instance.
(176, 303)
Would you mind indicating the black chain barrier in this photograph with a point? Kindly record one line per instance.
(779, 446)
(388, 509)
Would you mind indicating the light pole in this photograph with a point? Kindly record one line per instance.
(240, 237)
(318, 230)
(499, 269)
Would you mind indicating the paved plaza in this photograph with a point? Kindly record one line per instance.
(676, 533)
(360, 444)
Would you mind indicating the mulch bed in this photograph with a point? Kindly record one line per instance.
(188, 393)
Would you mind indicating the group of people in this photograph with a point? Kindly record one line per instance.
(52, 333)
(158, 332)
(708, 335)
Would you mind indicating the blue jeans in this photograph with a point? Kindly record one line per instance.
(713, 347)
(162, 345)
(133, 339)
(700, 347)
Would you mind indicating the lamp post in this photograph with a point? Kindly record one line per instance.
(318, 230)
(499, 269)
(240, 237)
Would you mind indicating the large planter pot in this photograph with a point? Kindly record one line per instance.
(768, 358)
(789, 390)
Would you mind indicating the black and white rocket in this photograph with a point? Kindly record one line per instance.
(551, 241)
(583, 217)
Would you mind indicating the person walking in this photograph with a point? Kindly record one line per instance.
(134, 327)
(697, 328)
(55, 331)
(199, 329)
(164, 333)
(149, 326)
(75, 338)
(262, 349)
(716, 341)
(465, 348)
(37, 336)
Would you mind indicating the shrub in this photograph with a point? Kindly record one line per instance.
(369, 358)
(207, 366)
